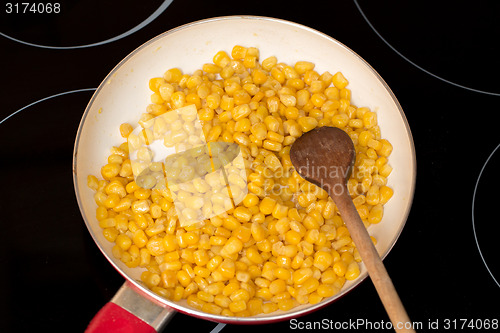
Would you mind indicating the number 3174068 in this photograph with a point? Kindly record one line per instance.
(32, 8)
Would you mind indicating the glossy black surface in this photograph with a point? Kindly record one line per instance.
(54, 278)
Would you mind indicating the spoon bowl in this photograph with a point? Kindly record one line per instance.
(325, 157)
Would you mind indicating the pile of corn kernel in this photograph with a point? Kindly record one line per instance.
(286, 243)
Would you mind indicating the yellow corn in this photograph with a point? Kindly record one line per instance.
(307, 123)
(301, 67)
(239, 52)
(385, 148)
(267, 205)
(211, 68)
(339, 81)
(352, 271)
(240, 111)
(237, 306)
(385, 170)
(123, 241)
(376, 213)
(272, 145)
(385, 194)
(264, 254)
(221, 59)
(233, 245)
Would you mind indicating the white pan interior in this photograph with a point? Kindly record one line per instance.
(124, 95)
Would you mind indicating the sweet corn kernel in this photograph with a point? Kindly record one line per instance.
(238, 52)
(237, 306)
(339, 81)
(307, 123)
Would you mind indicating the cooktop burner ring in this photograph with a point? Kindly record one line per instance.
(474, 213)
(44, 99)
(413, 63)
(138, 27)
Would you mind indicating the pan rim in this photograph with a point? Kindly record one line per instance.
(257, 319)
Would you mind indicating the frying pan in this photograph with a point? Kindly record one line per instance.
(124, 94)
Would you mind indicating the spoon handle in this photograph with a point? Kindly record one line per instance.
(369, 255)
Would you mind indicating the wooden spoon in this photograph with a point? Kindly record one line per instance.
(325, 156)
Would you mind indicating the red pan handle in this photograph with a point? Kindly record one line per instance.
(129, 312)
(113, 318)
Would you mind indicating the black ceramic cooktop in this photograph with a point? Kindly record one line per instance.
(439, 58)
